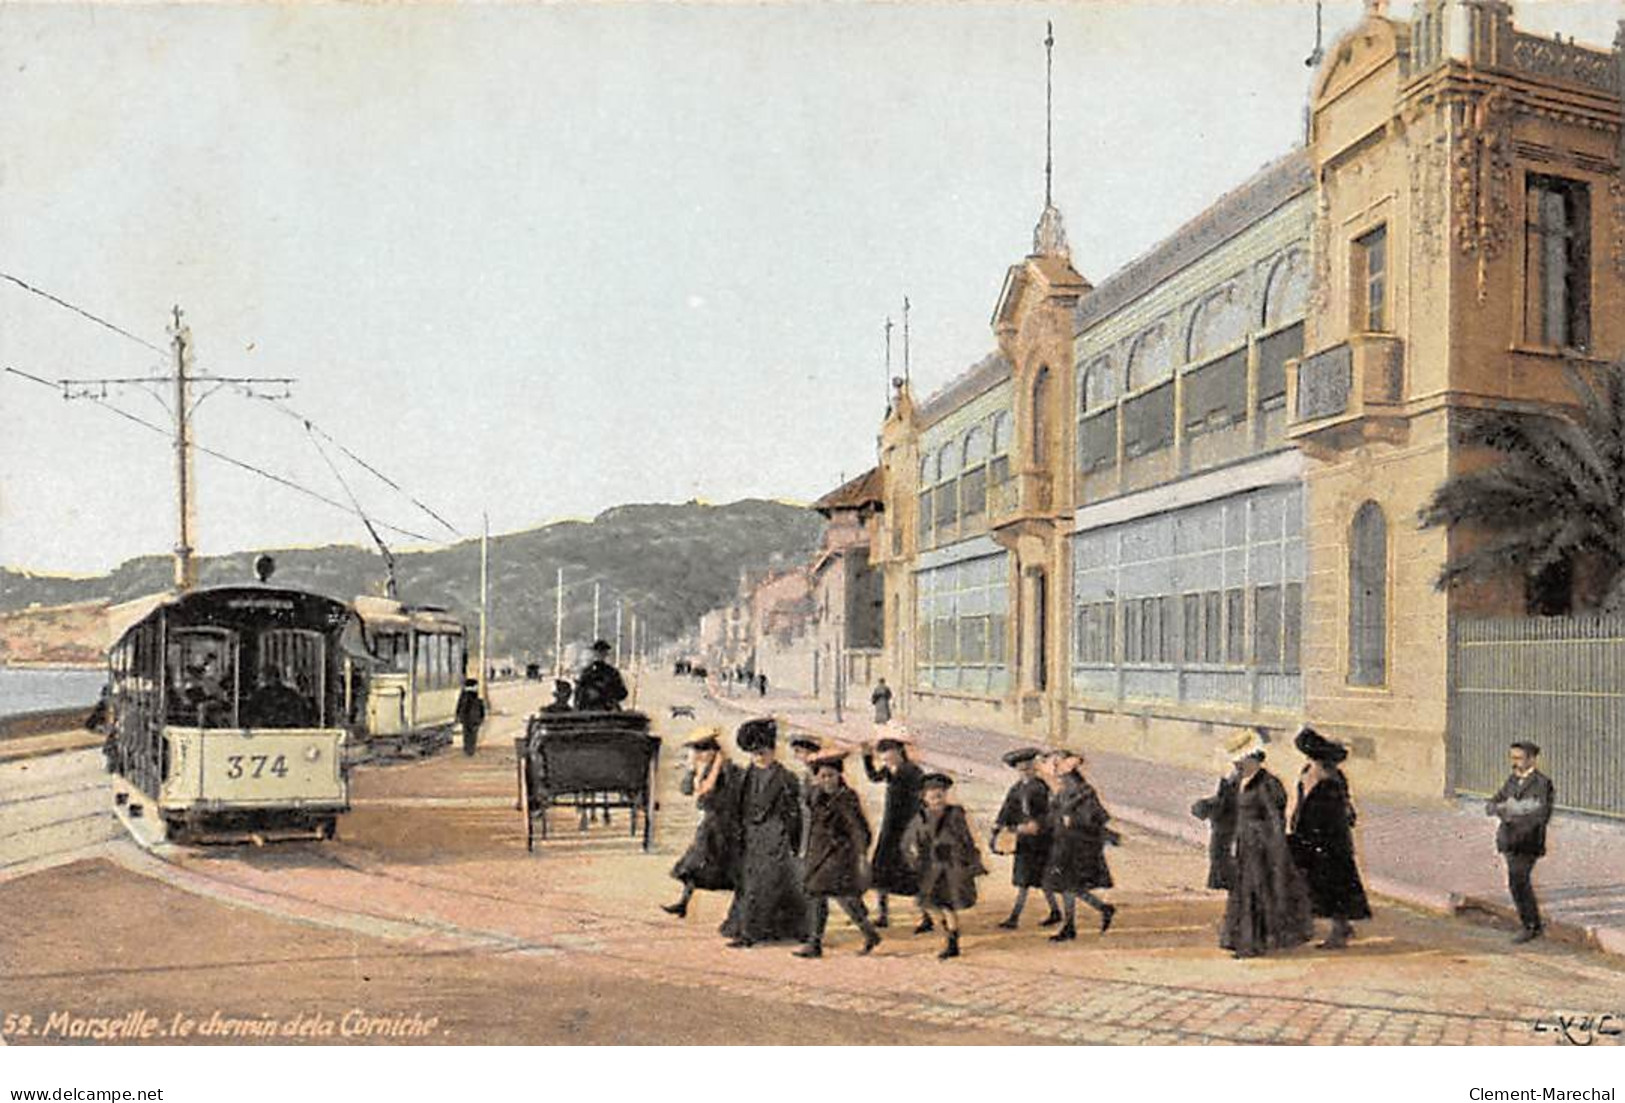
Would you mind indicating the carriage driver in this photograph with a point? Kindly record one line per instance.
(600, 688)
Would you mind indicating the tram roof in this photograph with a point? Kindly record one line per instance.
(382, 613)
(123, 617)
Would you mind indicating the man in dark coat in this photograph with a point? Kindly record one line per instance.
(940, 846)
(600, 688)
(1322, 838)
(1524, 806)
(1077, 857)
(1268, 905)
(893, 873)
(1219, 811)
(1025, 814)
(712, 859)
(769, 905)
(470, 714)
(837, 862)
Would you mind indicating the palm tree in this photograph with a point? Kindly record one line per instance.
(1557, 495)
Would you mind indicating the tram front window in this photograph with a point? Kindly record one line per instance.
(288, 682)
(203, 678)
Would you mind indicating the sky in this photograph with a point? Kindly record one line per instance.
(535, 261)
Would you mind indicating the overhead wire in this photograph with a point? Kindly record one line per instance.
(65, 304)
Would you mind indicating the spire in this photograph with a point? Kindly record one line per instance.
(1049, 236)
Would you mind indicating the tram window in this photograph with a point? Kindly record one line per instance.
(202, 669)
(290, 676)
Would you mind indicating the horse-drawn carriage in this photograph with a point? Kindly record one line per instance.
(591, 762)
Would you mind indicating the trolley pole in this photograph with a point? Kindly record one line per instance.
(180, 337)
(558, 627)
(485, 601)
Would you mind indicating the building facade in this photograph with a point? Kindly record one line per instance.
(1185, 501)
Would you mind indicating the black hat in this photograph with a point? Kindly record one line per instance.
(1528, 748)
(834, 760)
(802, 742)
(889, 745)
(1021, 754)
(1311, 744)
(601, 645)
(757, 735)
(936, 781)
(470, 682)
(561, 686)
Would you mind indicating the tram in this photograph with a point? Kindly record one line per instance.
(402, 685)
(227, 712)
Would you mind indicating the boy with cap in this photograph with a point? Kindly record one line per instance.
(1025, 814)
(837, 855)
(1524, 806)
(945, 854)
(712, 859)
(893, 873)
(1077, 858)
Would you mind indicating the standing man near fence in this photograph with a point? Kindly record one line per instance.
(1524, 806)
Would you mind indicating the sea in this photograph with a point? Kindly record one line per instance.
(35, 689)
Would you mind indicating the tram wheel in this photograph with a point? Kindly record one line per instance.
(328, 827)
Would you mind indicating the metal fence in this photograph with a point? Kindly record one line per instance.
(1558, 681)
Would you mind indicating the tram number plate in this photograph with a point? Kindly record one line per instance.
(256, 765)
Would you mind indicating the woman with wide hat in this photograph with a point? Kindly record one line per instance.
(769, 905)
(711, 861)
(1322, 838)
(1268, 907)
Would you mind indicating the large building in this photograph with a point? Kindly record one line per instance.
(1185, 500)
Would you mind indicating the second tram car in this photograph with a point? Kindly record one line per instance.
(227, 710)
(403, 689)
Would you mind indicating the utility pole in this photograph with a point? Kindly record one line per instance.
(558, 626)
(595, 612)
(181, 406)
(485, 600)
(620, 609)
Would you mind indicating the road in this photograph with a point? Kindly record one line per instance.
(426, 921)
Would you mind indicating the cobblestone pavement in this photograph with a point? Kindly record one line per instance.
(433, 860)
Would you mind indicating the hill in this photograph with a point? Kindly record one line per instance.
(670, 562)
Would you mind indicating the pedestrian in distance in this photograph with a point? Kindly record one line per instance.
(768, 905)
(1219, 811)
(881, 700)
(470, 713)
(1268, 906)
(1524, 806)
(761, 685)
(940, 846)
(600, 687)
(894, 874)
(1321, 836)
(1025, 815)
(1077, 856)
(711, 862)
(837, 862)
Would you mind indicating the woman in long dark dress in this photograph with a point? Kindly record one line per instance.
(893, 875)
(1025, 814)
(769, 905)
(711, 861)
(939, 844)
(1077, 857)
(1268, 907)
(1322, 839)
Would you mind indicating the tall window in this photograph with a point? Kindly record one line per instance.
(1368, 597)
(999, 467)
(1557, 263)
(1040, 418)
(1370, 283)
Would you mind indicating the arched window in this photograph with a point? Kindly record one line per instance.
(1368, 597)
(1286, 292)
(947, 462)
(1219, 323)
(1001, 433)
(975, 450)
(1039, 417)
(1151, 358)
(1099, 384)
(928, 474)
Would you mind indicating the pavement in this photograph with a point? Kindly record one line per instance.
(1436, 855)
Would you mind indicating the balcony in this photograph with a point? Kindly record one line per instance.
(1360, 380)
(1025, 496)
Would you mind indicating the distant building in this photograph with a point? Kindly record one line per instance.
(848, 592)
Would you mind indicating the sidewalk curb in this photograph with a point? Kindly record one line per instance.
(1606, 940)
